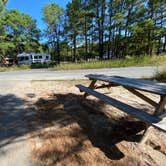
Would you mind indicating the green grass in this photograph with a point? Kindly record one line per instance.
(129, 61)
(25, 67)
(14, 68)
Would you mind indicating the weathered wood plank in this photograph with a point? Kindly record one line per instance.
(140, 84)
(137, 113)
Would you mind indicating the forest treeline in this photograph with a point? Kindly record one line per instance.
(85, 29)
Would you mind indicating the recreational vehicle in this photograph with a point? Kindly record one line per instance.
(32, 58)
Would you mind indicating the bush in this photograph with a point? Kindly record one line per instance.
(160, 76)
(43, 65)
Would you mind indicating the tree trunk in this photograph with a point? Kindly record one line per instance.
(164, 46)
(58, 51)
(100, 22)
(74, 43)
(86, 39)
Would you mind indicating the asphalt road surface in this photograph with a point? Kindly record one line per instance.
(44, 74)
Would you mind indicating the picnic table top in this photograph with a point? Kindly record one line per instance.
(140, 84)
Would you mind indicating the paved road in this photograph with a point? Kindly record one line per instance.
(44, 74)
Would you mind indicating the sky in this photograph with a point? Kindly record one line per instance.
(34, 8)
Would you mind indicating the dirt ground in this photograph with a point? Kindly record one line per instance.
(74, 131)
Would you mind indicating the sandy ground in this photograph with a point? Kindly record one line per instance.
(76, 134)
(63, 130)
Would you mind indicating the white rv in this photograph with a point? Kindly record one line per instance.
(25, 58)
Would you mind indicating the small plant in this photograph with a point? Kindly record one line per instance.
(160, 76)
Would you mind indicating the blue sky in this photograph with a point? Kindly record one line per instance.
(34, 8)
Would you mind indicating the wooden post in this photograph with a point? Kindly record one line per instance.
(92, 86)
(146, 134)
(159, 110)
(161, 106)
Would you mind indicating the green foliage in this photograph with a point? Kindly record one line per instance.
(88, 29)
(19, 33)
(130, 27)
(53, 17)
(5, 48)
(2, 4)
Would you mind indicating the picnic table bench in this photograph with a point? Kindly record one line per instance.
(135, 86)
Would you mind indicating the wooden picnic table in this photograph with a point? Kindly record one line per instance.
(135, 86)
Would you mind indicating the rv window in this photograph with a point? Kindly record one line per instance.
(20, 58)
(11, 60)
(47, 57)
(35, 57)
(40, 57)
(26, 58)
(31, 57)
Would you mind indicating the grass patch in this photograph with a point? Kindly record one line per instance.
(129, 61)
(14, 68)
(25, 67)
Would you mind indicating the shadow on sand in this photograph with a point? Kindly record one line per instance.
(16, 115)
(103, 132)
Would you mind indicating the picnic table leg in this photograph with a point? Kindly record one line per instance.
(159, 110)
(161, 106)
(92, 86)
(146, 134)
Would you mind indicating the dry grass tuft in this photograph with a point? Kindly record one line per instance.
(68, 145)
